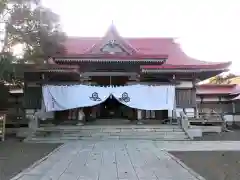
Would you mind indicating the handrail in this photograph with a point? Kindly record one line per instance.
(2, 126)
(184, 120)
(185, 123)
(206, 117)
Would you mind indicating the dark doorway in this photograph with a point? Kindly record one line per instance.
(111, 109)
(164, 114)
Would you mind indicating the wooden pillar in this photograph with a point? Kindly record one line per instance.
(139, 114)
(158, 115)
(130, 113)
(153, 114)
(233, 107)
(174, 111)
(81, 117)
(144, 114)
(134, 115)
(147, 114)
(196, 112)
(94, 112)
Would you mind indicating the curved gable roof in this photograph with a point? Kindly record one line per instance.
(77, 46)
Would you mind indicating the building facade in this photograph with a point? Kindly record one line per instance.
(219, 98)
(117, 61)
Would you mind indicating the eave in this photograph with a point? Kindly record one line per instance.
(237, 98)
(57, 70)
(111, 58)
(53, 68)
(132, 60)
(211, 66)
(181, 70)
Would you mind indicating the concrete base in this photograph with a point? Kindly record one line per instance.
(140, 122)
(206, 129)
(80, 124)
(197, 131)
(194, 133)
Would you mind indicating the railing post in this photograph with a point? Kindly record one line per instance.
(184, 121)
(139, 116)
(2, 126)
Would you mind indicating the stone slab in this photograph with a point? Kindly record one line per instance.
(110, 160)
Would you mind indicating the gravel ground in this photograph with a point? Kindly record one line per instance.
(213, 165)
(15, 156)
(220, 165)
(233, 135)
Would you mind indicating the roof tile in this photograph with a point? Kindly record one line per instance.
(145, 46)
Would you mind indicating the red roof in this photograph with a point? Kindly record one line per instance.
(149, 47)
(236, 90)
(236, 98)
(116, 56)
(212, 89)
(140, 47)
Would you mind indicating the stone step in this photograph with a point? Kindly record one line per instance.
(165, 133)
(111, 128)
(119, 134)
(127, 133)
(110, 131)
(123, 130)
(59, 140)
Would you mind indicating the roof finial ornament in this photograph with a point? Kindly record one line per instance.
(112, 25)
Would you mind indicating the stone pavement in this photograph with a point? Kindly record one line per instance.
(119, 160)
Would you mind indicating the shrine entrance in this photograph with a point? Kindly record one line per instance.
(113, 109)
(110, 110)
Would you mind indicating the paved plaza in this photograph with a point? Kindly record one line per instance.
(120, 160)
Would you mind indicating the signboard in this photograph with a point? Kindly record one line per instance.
(2, 126)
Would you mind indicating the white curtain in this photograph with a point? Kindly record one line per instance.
(58, 98)
(146, 97)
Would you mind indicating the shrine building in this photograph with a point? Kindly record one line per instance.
(91, 64)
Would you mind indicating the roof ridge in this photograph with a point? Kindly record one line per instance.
(128, 38)
(112, 33)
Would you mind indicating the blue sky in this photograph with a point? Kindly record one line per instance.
(207, 29)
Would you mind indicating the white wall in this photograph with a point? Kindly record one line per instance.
(185, 84)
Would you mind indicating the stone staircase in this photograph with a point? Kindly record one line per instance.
(62, 134)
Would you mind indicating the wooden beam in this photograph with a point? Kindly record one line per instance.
(151, 83)
(86, 74)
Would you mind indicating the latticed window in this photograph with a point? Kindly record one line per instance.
(185, 98)
(32, 97)
(237, 107)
